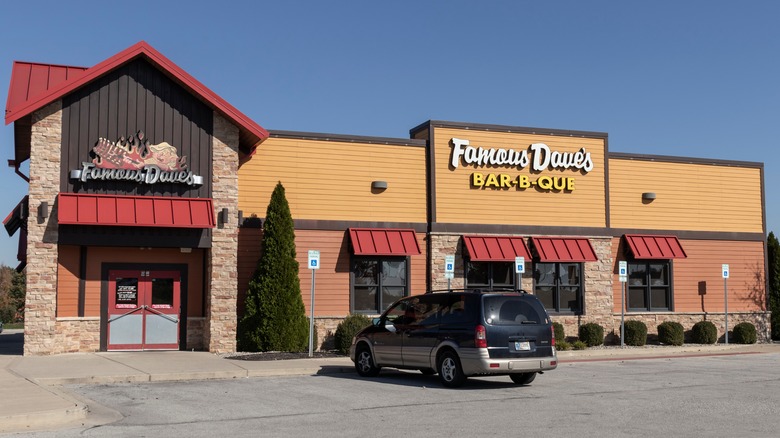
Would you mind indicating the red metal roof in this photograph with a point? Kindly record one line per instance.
(250, 133)
(655, 247)
(135, 211)
(564, 249)
(31, 80)
(495, 248)
(384, 241)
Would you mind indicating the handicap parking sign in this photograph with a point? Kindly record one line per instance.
(314, 259)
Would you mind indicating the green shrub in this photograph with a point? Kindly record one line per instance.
(560, 334)
(704, 332)
(347, 329)
(562, 346)
(275, 317)
(579, 345)
(591, 334)
(745, 333)
(671, 333)
(636, 333)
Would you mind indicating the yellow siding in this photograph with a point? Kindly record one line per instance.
(695, 197)
(331, 180)
(458, 202)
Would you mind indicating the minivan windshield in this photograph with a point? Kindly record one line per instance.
(513, 309)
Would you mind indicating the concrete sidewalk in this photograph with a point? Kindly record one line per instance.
(34, 400)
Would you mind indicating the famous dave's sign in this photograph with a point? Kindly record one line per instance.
(538, 158)
(136, 160)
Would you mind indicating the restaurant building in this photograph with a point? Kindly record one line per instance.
(144, 217)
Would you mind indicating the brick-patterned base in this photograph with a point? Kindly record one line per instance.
(196, 328)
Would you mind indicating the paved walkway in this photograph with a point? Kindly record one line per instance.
(33, 399)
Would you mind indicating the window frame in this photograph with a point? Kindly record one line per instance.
(490, 286)
(378, 299)
(648, 286)
(556, 310)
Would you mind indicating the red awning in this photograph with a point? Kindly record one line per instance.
(655, 247)
(384, 241)
(495, 248)
(564, 249)
(135, 211)
(17, 217)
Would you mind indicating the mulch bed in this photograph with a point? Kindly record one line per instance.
(281, 355)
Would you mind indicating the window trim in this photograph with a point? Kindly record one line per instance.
(648, 286)
(581, 287)
(380, 259)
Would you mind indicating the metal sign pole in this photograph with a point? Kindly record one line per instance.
(726, 294)
(311, 318)
(623, 277)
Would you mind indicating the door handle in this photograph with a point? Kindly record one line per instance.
(125, 314)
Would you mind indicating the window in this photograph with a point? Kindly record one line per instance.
(649, 286)
(559, 286)
(377, 283)
(490, 275)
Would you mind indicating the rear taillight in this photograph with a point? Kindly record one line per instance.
(552, 329)
(480, 338)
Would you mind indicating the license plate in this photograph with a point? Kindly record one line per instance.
(522, 346)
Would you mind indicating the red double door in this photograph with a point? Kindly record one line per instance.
(144, 308)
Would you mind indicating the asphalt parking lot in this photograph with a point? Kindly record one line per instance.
(696, 396)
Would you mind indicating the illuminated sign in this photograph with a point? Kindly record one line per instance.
(538, 157)
(137, 161)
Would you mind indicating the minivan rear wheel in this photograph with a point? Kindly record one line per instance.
(450, 370)
(364, 362)
(523, 379)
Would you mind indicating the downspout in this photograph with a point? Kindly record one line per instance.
(15, 165)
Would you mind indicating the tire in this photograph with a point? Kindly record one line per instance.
(428, 371)
(450, 370)
(364, 362)
(523, 379)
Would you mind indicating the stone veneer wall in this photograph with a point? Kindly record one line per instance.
(222, 290)
(40, 327)
(195, 333)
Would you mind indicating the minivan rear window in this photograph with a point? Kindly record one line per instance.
(508, 310)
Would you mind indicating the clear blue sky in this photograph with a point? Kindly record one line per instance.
(683, 78)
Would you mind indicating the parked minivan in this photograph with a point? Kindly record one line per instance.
(460, 334)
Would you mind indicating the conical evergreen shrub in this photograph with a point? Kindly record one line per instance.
(275, 317)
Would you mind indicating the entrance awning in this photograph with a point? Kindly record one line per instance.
(655, 247)
(135, 211)
(383, 241)
(17, 217)
(564, 249)
(495, 248)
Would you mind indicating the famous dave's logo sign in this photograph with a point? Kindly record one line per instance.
(538, 158)
(137, 161)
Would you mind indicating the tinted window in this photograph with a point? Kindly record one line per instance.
(501, 310)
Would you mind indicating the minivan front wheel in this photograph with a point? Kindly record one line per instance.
(364, 362)
(523, 379)
(450, 370)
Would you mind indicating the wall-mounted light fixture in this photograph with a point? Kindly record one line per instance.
(43, 210)
(378, 185)
(222, 217)
(648, 196)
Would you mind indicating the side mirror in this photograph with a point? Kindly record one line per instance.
(375, 321)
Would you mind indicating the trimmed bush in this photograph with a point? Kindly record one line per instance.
(636, 333)
(591, 334)
(562, 345)
(275, 317)
(704, 332)
(347, 329)
(671, 333)
(745, 333)
(579, 345)
(560, 334)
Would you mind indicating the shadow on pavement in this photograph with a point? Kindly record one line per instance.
(392, 376)
(12, 342)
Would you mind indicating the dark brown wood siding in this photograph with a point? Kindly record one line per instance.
(136, 97)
